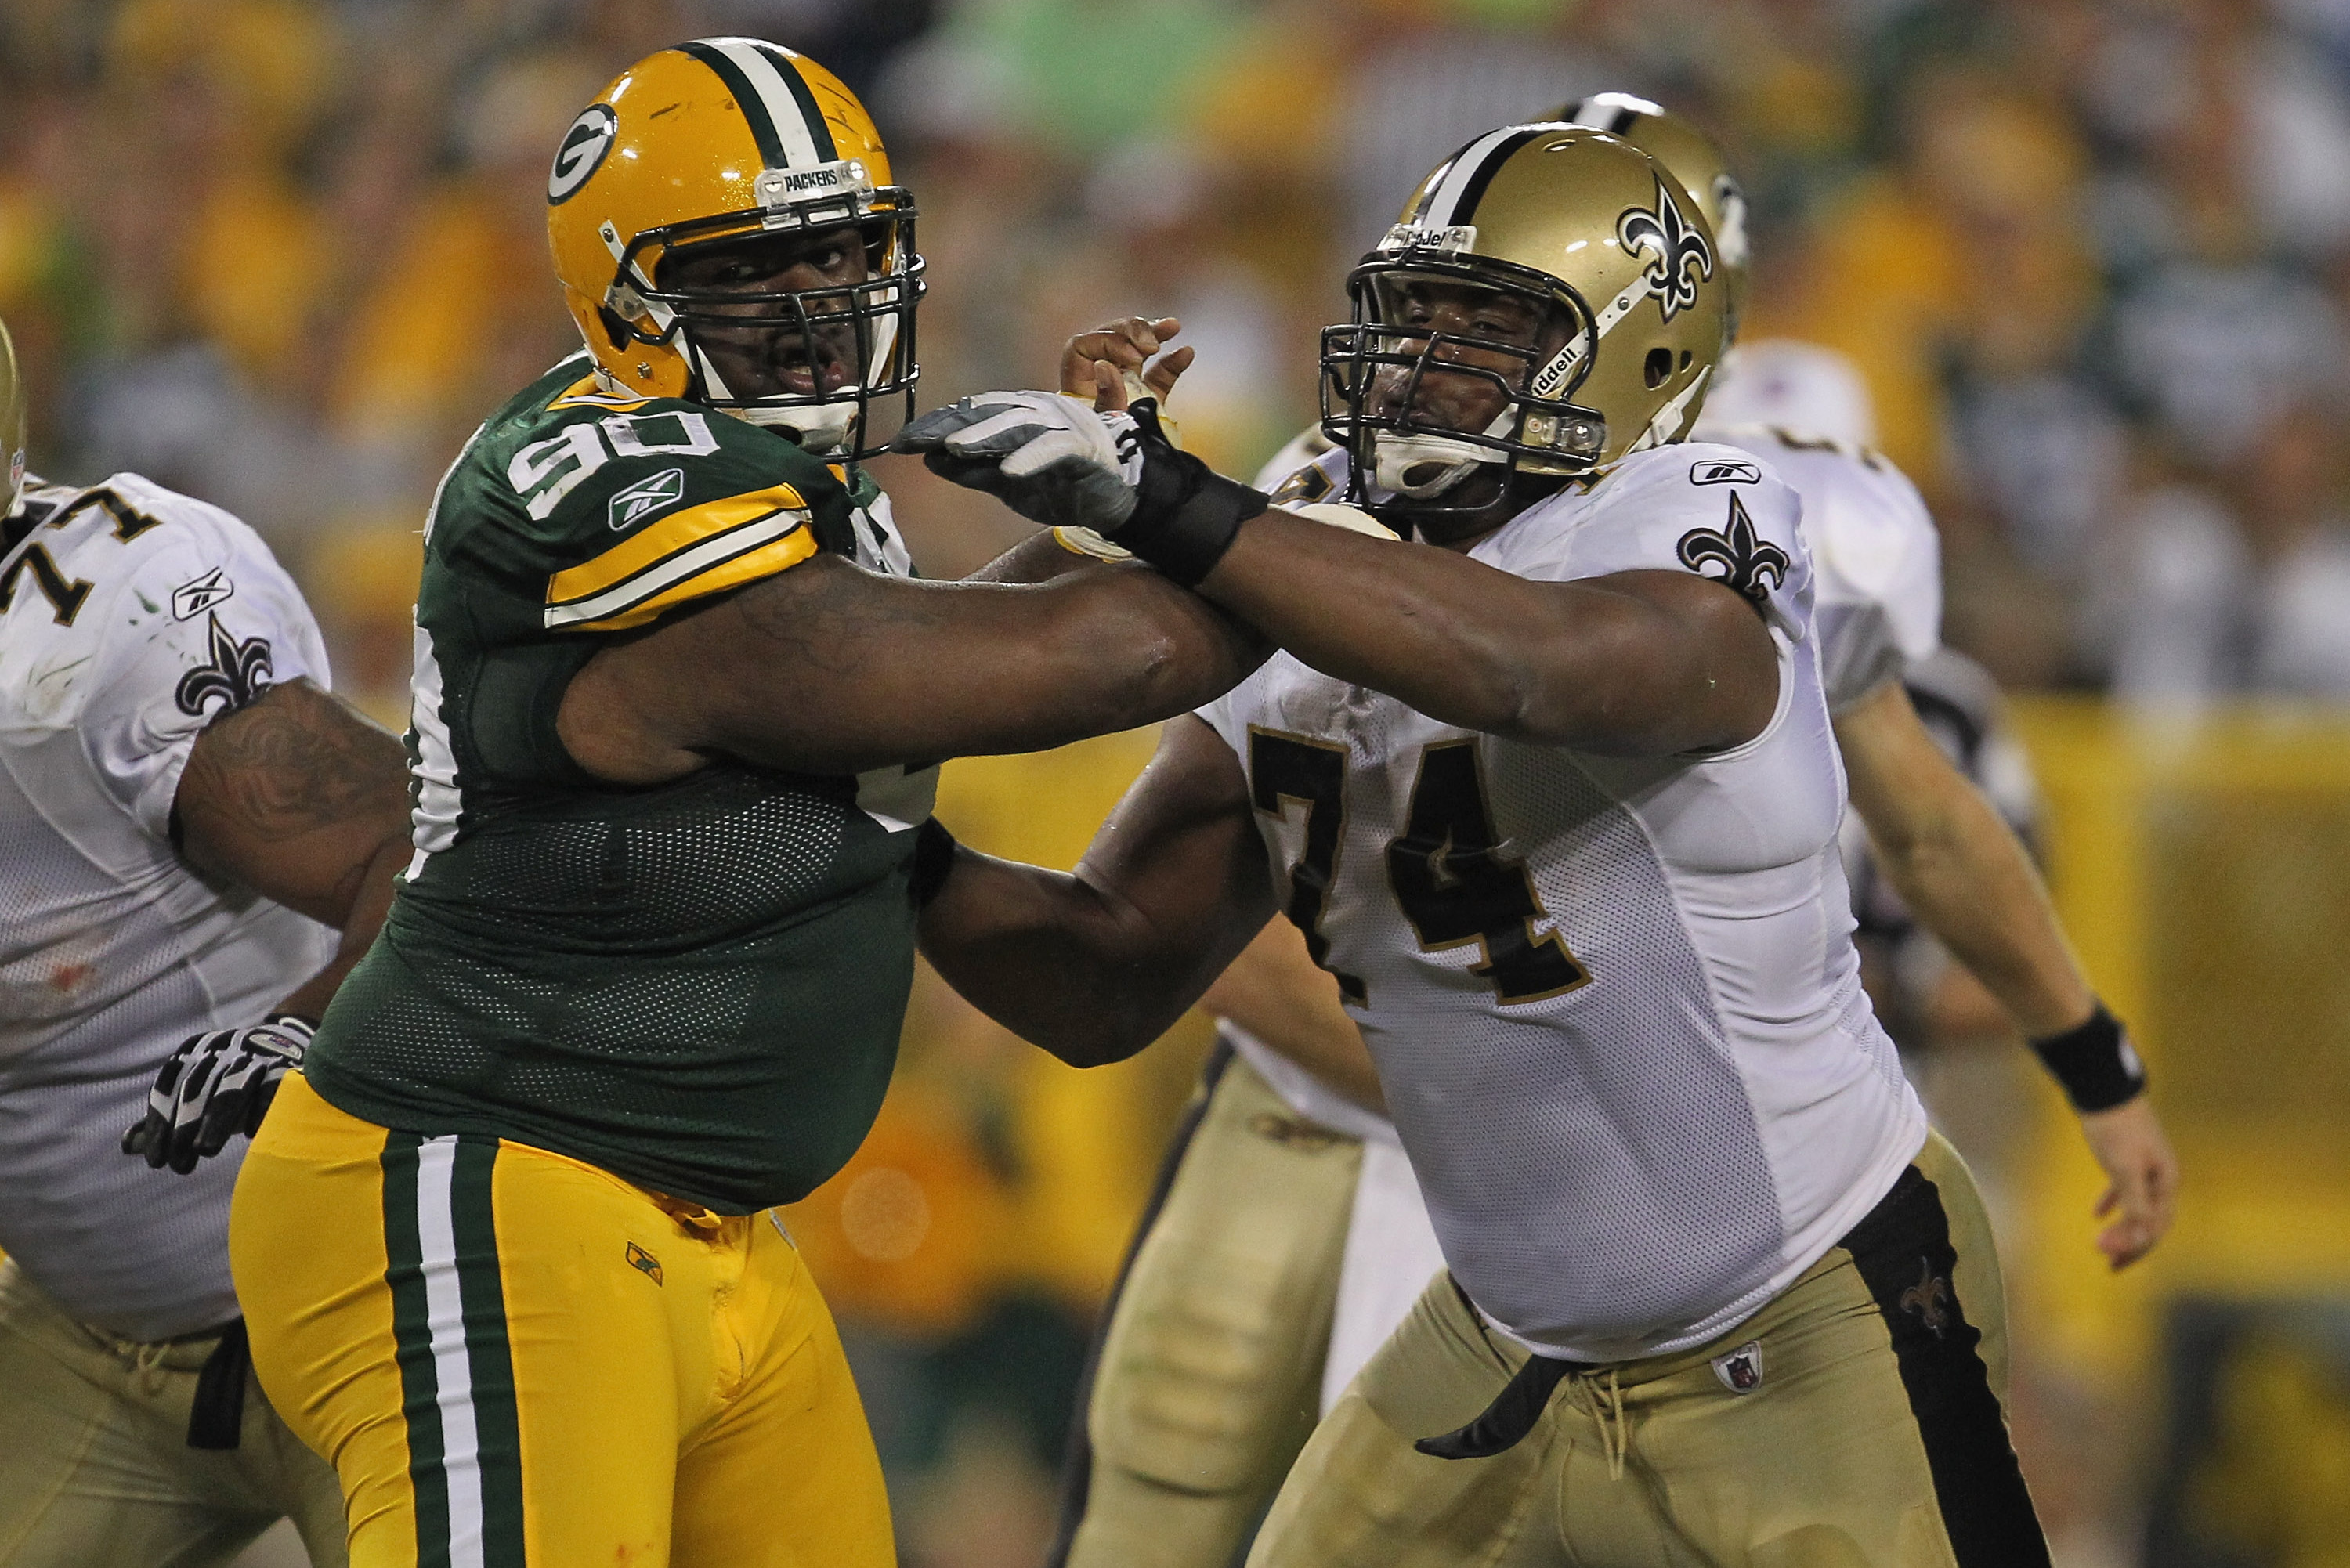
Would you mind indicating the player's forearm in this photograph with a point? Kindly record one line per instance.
(1586, 665)
(1008, 668)
(369, 906)
(1968, 879)
(1058, 961)
(1039, 558)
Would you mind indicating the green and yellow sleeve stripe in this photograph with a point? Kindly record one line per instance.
(704, 550)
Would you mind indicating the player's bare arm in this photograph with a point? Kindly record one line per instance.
(303, 800)
(1095, 964)
(299, 798)
(1640, 663)
(831, 669)
(1961, 870)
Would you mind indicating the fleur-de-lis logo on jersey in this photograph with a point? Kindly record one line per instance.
(236, 673)
(1928, 1299)
(1678, 257)
(1750, 564)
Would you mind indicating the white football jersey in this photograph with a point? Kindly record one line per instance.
(130, 617)
(1614, 1001)
(1876, 560)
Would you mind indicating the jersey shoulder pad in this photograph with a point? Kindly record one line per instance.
(1692, 508)
(616, 509)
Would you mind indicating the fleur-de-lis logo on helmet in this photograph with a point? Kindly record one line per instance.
(1679, 256)
(1750, 564)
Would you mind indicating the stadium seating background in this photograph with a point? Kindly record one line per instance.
(2090, 253)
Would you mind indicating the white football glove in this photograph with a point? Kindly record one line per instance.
(1053, 459)
(1057, 461)
(217, 1084)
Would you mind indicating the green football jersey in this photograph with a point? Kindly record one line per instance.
(696, 986)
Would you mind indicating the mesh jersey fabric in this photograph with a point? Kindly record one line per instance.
(129, 617)
(697, 986)
(1629, 1164)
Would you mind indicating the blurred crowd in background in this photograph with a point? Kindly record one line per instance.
(2093, 257)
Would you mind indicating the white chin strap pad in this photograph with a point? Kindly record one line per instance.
(1422, 467)
(823, 429)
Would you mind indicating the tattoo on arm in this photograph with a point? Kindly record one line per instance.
(294, 796)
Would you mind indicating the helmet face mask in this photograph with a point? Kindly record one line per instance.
(810, 361)
(1421, 407)
(725, 230)
(1549, 303)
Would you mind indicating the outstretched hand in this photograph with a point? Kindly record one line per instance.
(1048, 457)
(1108, 364)
(2142, 1173)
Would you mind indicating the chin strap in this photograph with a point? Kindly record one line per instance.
(1422, 467)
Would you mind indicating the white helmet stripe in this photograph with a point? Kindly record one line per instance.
(1466, 181)
(776, 97)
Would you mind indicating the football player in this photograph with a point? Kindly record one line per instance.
(1208, 1371)
(1553, 793)
(506, 1242)
(186, 819)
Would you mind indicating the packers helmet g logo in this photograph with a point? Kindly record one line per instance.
(581, 153)
(1679, 256)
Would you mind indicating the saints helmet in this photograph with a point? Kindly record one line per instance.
(1620, 267)
(12, 423)
(717, 141)
(1695, 159)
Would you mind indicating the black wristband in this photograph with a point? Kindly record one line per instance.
(1185, 513)
(934, 858)
(2094, 1062)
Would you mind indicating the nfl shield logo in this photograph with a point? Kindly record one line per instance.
(1740, 1371)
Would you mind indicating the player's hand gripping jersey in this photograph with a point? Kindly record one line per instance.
(698, 985)
(130, 617)
(1674, 1096)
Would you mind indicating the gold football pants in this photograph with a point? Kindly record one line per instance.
(95, 1466)
(512, 1358)
(1208, 1377)
(1855, 1422)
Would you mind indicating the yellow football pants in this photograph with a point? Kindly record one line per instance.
(512, 1358)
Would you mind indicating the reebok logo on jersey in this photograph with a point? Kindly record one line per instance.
(1724, 470)
(648, 496)
(189, 600)
(1740, 1371)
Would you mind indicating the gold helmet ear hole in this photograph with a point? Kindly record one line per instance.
(615, 327)
(1685, 359)
(1659, 367)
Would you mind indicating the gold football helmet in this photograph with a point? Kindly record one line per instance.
(712, 142)
(1694, 158)
(1585, 235)
(12, 423)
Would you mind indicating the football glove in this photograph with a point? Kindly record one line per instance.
(217, 1084)
(1057, 461)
